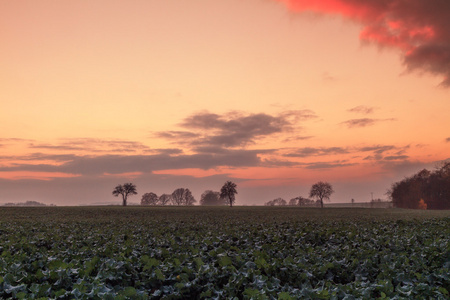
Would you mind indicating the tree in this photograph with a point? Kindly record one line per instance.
(149, 199)
(228, 191)
(182, 196)
(293, 202)
(124, 190)
(425, 189)
(276, 202)
(301, 201)
(211, 198)
(164, 199)
(320, 191)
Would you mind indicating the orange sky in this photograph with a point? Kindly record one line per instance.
(274, 95)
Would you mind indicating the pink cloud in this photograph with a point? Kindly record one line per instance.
(419, 29)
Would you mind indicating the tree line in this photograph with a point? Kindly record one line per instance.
(320, 191)
(180, 196)
(423, 190)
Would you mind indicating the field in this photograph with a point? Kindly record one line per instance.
(223, 253)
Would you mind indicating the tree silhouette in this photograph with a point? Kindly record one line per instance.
(164, 199)
(301, 201)
(228, 191)
(149, 199)
(425, 189)
(276, 202)
(124, 190)
(182, 196)
(321, 190)
(211, 198)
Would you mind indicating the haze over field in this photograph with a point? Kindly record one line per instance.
(273, 95)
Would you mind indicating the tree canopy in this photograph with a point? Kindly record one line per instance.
(211, 198)
(276, 202)
(124, 190)
(424, 190)
(149, 199)
(321, 190)
(165, 199)
(228, 192)
(183, 196)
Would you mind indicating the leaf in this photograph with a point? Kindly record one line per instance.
(225, 261)
(129, 292)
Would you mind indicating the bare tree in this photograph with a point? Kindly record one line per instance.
(276, 202)
(149, 199)
(320, 191)
(293, 202)
(124, 190)
(164, 199)
(211, 198)
(182, 196)
(228, 192)
(302, 201)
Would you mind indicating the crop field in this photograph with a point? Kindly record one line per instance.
(223, 253)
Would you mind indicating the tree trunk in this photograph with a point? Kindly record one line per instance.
(321, 203)
(231, 202)
(124, 203)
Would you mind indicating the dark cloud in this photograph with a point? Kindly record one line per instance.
(419, 29)
(385, 152)
(270, 163)
(234, 129)
(238, 131)
(309, 151)
(362, 109)
(447, 140)
(364, 122)
(117, 164)
(40, 157)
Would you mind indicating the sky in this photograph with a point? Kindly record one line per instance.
(272, 95)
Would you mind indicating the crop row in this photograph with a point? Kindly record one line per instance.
(230, 257)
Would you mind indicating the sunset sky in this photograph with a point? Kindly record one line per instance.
(273, 95)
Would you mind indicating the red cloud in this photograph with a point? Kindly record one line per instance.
(419, 28)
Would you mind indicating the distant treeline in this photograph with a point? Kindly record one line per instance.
(28, 203)
(424, 190)
(297, 201)
(183, 196)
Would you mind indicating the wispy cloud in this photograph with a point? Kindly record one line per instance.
(363, 122)
(177, 135)
(329, 165)
(419, 29)
(362, 109)
(396, 157)
(310, 151)
(91, 145)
